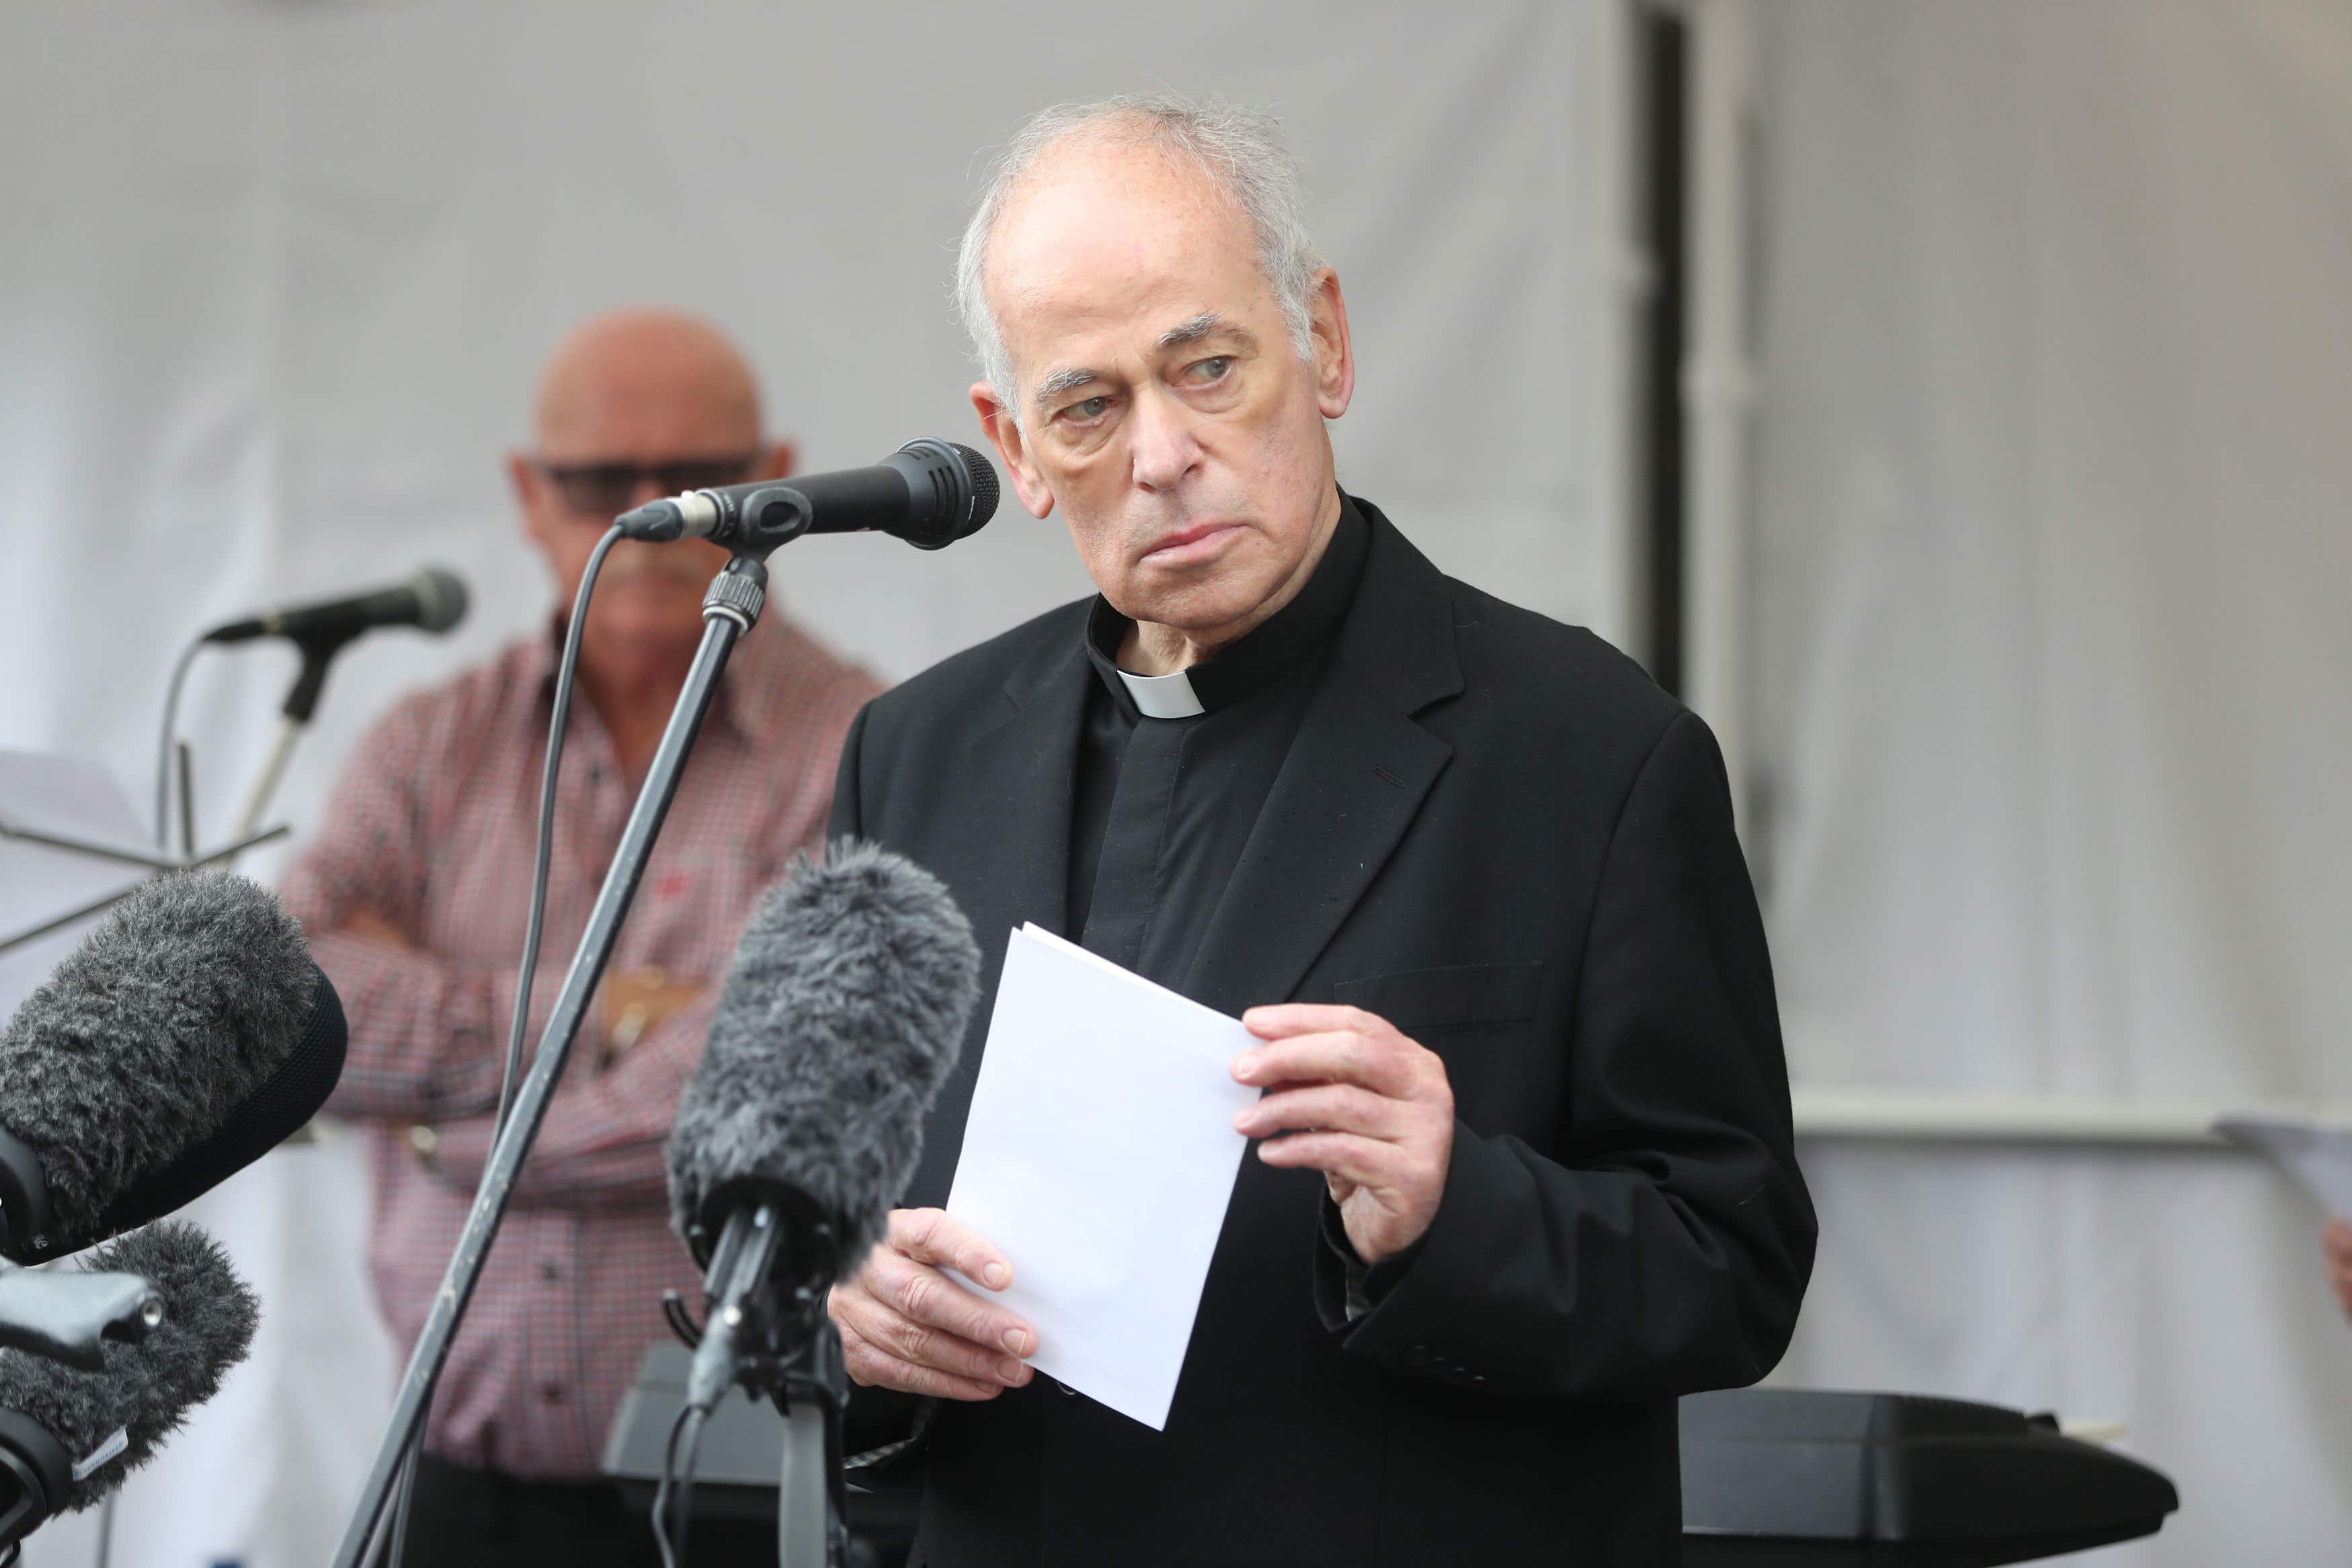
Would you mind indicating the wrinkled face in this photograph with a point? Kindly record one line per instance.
(645, 398)
(1163, 406)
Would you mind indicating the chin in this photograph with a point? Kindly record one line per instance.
(1201, 608)
(648, 624)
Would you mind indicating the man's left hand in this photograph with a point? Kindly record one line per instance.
(1356, 1099)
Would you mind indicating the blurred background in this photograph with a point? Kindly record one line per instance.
(1950, 399)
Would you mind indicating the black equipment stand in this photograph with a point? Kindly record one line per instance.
(772, 1337)
(733, 604)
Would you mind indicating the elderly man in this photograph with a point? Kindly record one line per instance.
(415, 894)
(1526, 1173)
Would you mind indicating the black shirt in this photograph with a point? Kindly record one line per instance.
(1164, 806)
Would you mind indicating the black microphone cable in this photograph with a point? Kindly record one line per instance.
(669, 1539)
(396, 1536)
(556, 727)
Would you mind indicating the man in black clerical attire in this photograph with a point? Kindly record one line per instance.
(1525, 1173)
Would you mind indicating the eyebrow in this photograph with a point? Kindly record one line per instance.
(1188, 332)
(1060, 381)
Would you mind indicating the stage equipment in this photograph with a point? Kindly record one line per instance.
(185, 1038)
(67, 1316)
(433, 601)
(1796, 1477)
(69, 1438)
(737, 595)
(841, 1015)
(930, 493)
(742, 1456)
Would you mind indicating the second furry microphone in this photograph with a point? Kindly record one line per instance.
(841, 1015)
(68, 1438)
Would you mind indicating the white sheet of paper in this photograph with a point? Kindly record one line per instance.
(77, 798)
(2318, 1157)
(1099, 1157)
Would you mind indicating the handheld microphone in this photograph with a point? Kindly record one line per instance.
(842, 1012)
(185, 1038)
(68, 1438)
(930, 493)
(435, 600)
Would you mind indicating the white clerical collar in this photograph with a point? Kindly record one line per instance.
(1163, 697)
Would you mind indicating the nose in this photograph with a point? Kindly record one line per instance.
(1163, 446)
(644, 489)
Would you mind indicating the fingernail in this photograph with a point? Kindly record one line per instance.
(1017, 1340)
(1246, 1064)
(995, 1275)
(1009, 1371)
(1241, 1122)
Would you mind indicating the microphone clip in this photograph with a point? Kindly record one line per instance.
(66, 1317)
(764, 1290)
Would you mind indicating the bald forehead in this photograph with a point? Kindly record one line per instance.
(1101, 184)
(647, 384)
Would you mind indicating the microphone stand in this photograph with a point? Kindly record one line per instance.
(733, 604)
(768, 1332)
(294, 717)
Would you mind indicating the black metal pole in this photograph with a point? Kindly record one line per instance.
(729, 611)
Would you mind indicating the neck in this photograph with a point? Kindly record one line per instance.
(634, 692)
(1150, 648)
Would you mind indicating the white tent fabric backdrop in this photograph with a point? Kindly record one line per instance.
(2051, 596)
(274, 279)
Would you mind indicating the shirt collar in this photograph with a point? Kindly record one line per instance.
(1251, 662)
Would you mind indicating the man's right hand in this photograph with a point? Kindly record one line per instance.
(906, 1325)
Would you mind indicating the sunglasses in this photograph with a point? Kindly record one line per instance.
(605, 489)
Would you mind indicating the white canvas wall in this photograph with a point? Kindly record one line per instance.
(2053, 654)
(274, 278)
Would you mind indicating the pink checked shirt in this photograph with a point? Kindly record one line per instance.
(432, 827)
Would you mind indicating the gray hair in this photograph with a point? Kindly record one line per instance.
(1240, 149)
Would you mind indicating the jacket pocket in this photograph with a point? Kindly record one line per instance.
(1453, 997)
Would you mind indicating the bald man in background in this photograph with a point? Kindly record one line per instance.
(415, 894)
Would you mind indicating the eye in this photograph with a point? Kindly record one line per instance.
(1087, 411)
(1202, 372)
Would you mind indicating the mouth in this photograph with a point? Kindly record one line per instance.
(1195, 543)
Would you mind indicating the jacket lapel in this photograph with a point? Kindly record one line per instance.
(1021, 774)
(1357, 774)
(1014, 864)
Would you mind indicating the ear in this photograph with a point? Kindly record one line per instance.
(782, 462)
(532, 497)
(1334, 355)
(1028, 480)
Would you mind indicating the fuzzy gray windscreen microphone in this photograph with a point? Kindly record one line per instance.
(842, 1012)
(185, 1005)
(147, 1390)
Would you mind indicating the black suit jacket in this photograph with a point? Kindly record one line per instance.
(1493, 831)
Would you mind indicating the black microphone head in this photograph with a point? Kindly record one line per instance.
(146, 1389)
(441, 598)
(961, 494)
(183, 1039)
(842, 1012)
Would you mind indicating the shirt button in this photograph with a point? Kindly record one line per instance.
(552, 1392)
(549, 1272)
